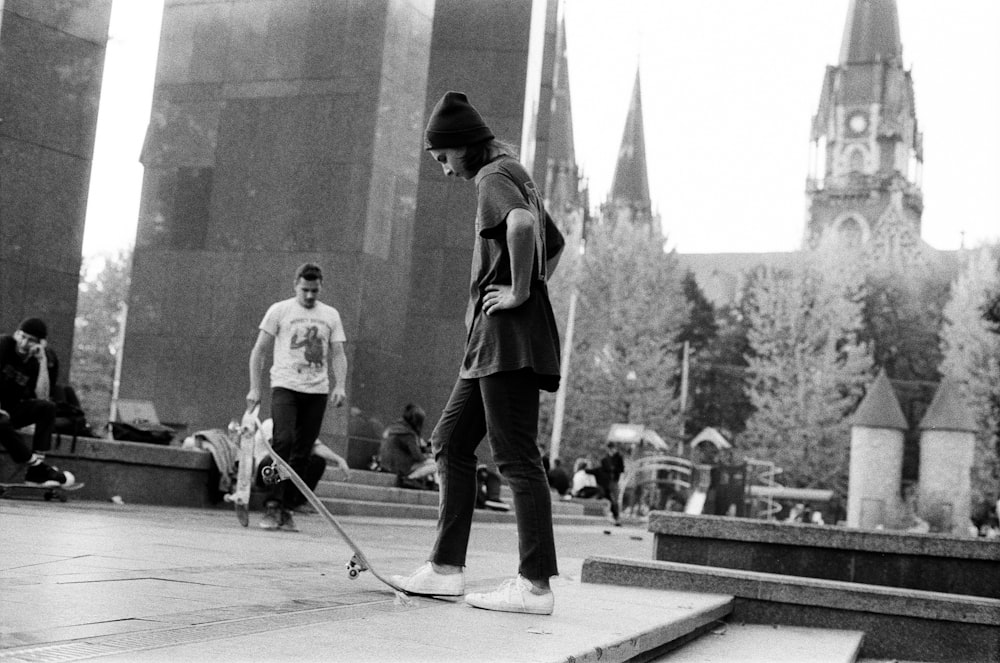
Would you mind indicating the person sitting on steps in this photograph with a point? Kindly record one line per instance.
(25, 398)
(400, 451)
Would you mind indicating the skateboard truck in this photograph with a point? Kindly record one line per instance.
(354, 567)
(272, 474)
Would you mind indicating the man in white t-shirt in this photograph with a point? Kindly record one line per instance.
(306, 338)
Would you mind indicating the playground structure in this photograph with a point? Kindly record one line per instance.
(701, 484)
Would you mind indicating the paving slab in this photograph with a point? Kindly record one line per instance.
(94, 580)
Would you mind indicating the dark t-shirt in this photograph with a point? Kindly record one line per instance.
(527, 336)
(19, 375)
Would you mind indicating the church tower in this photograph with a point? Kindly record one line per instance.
(628, 200)
(565, 197)
(866, 150)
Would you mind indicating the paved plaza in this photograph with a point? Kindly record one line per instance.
(88, 580)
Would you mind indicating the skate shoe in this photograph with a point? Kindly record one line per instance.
(514, 595)
(426, 580)
(272, 516)
(287, 523)
(43, 474)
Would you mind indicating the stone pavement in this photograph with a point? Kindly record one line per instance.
(88, 580)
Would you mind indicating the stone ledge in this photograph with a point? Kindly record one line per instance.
(822, 536)
(132, 453)
(899, 623)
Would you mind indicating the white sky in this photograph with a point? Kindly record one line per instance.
(729, 91)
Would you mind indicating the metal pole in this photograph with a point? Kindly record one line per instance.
(560, 408)
(684, 394)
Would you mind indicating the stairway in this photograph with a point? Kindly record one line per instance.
(374, 495)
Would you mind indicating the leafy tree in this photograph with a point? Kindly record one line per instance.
(630, 313)
(807, 368)
(100, 311)
(903, 315)
(971, 348)
(718, 374)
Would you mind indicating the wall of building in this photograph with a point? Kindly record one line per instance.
(51, 63)
(292, 130)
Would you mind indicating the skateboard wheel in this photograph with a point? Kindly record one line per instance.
(353, 574)
(270, 474)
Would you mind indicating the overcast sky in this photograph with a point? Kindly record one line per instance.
(729, 91)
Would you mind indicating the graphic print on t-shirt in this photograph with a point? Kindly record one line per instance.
(306, 337)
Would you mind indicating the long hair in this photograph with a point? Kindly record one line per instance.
(414, 415)
(479, 154)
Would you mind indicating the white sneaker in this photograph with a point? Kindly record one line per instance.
(514, 595)
(426, 580)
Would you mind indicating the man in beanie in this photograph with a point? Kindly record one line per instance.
(25, 398)
(511, 351)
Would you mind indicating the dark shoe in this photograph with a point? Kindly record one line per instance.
(43, 474)
(272, 516)
(287, 523)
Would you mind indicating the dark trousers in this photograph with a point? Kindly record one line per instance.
(503, 408)
(33, 411)
(297, 419)
(612, 494)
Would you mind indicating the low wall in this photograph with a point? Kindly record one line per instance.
(898, 623)
(931, 562)
(137, 473)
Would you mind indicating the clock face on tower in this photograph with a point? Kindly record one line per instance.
(857, 122)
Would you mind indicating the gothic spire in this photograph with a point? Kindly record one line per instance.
(630, 186)
(871, 33)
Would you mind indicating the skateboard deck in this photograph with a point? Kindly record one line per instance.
(28, 490)
(281, 470)
(240, 497)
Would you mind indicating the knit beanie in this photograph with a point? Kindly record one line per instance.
(34, 327)
(454, 122)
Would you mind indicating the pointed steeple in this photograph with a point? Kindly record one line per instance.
(562, 175)
(948, 412)
(631, 180)
(628, 199)
(871, 33)
(880, 407)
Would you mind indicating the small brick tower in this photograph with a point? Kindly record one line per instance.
(947, 442)
(876, 466)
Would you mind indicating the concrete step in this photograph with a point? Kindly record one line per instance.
(392, 495)
(750, 643)
(369, 509)
(360, 477)
(899, 623)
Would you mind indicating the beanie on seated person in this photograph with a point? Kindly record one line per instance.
(454, 122)
(34, 327)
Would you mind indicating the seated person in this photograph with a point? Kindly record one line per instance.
(400, 451)
(25, 398)
(584, 482)
(321, 455)
(558, 478)
(488, 493)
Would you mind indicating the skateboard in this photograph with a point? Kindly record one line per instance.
(47, 493)
(244, 474)
(280, 470)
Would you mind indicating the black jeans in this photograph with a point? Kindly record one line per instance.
(504, 408)
(33, 411)
(298, 418)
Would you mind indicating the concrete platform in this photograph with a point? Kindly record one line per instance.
(899, 623)
(755, 643)
(94, 580)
